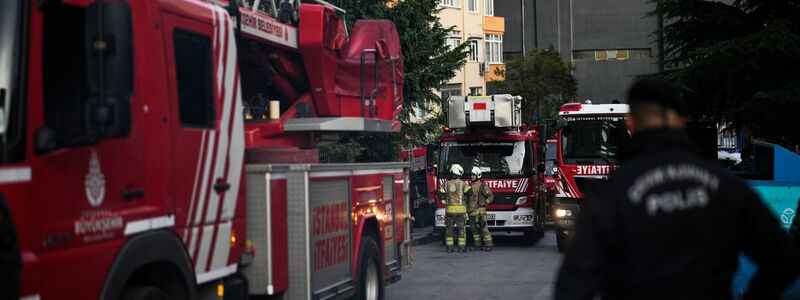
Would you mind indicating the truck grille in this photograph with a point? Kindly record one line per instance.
(506, 198)
(588, 184)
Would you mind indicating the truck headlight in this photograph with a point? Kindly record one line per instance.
(560, 213)
(523, 218)
(522, 200)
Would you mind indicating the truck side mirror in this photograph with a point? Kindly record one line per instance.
(542, 142)
(430, 156)
(44, 140)
(561, 124)
(109, 65)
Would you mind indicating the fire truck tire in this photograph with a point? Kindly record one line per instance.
(561, 241)
(143, 293)
(540, 232)
(369, 283)
(530, 237)
(10, 260)
(152, 259)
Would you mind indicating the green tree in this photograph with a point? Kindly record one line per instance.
(542, 78)
(428, 61)
(736, 63)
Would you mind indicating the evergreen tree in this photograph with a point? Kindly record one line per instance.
(736, 63)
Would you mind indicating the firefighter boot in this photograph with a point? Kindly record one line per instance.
(462, 249)
(487, 248)
(449, 249)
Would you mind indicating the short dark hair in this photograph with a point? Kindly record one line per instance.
(647, 94)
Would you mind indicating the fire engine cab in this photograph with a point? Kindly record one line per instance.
(487, 132)
(588, 140)
(156, 149)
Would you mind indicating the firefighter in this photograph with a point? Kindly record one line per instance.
(481, 197)
(455, 192)
(669, 224)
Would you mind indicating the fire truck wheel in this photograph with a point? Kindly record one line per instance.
(561, 241)
(10, 260)
(369, 284)
(530, 237)
(143, 293)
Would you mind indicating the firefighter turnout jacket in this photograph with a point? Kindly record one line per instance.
(481, 197)
(455, 192)
(670, 225)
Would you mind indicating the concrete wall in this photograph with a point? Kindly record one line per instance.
(571, 25)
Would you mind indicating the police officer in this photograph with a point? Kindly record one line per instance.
(481, 197)
(455, 192)
(668, 224)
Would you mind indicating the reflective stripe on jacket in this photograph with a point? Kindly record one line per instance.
(454, 191)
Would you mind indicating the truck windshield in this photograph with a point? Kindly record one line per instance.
(494, 158)
(593, 139)
(11, 107)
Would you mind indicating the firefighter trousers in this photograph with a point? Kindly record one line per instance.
(480, 231)
(460, 220)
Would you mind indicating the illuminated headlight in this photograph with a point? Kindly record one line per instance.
(523, 218)
(560, 213)
(555, 169)
(522, 200)
(439, 217)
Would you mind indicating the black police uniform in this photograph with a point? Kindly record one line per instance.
(669, 225)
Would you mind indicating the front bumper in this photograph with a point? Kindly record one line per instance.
(520, 219)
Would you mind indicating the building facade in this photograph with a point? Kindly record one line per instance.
(475, 23)
(610, 42)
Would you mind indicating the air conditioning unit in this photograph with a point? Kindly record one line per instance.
(482, 69)
(481, 111)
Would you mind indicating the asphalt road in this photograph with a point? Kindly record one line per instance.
(512, 270)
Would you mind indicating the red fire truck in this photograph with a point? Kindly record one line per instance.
(487, 132)
(588, 138)
(419, 182)
(167, 150)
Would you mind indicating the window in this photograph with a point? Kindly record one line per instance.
(454, 39)
(494, 49)
(66, 87)
(622, 54)
(601, 55)
(488, 7)
(611, 54)
(450, 3)
(472, 5)
(453, 89)
(473, 50)
(497, 159)
(475, 91)
(194, 76)
(640, 53)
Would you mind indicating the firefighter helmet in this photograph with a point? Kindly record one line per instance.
(476, 171)
(456, 169)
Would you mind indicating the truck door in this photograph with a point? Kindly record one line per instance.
(86, 189)
(206, 134)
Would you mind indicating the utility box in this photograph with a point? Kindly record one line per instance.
(481, 111)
